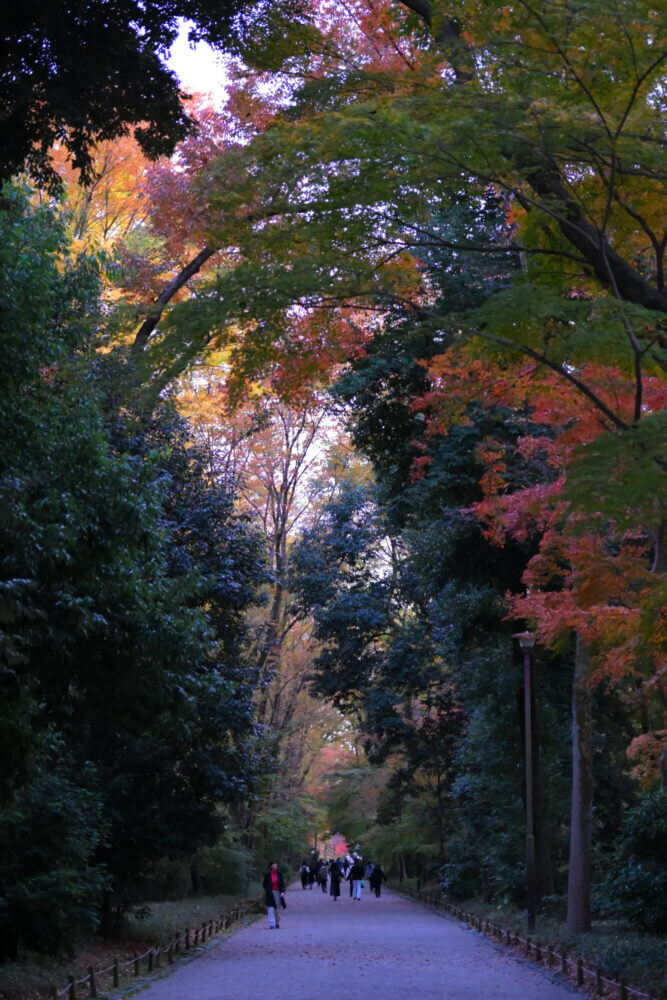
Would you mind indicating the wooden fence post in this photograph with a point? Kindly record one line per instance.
(538, 951)
(137, 967)
(91, 981)
(563, 963)
(158, 958)
(150, 960)
(187, 939)
(116, 972)
(528, 947)
(580, 971)
(71, 989)
(623, 989)
(598, 981)
(170, 953)
(203, 933)
(196, 937)
(54, 993)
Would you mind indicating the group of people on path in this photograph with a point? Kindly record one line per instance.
(327, 875)
(350, 868)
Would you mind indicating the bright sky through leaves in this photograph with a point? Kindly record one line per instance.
(200, 69)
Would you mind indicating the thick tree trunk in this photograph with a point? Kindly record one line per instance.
(579, 878)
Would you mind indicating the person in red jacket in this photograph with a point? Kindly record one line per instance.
(274, 894)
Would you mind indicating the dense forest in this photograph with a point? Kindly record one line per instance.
(330, 415)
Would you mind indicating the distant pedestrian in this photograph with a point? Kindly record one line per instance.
(274, 894)
(377, 878)
(334, 880)
(304, 872)
(355, 876)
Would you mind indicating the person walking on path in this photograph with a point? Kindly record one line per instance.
(356, 875)
(274, 894)
(335, 876)
(377, 878)
(304, 872)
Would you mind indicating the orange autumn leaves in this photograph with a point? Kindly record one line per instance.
(590, 575)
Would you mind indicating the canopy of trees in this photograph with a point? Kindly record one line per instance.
(304, 423)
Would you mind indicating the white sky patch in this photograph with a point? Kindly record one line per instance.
(200, 68)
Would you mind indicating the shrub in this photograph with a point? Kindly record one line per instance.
(636, 887)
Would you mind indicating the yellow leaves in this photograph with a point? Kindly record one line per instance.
(644, 751)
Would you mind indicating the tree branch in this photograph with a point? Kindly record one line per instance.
(182, 278)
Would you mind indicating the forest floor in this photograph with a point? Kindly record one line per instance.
(31, 977)
(390, 947)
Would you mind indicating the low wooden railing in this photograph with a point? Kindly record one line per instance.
(570, 966)
(97, 982)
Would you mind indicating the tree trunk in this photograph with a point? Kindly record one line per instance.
(579, 877)
(195, 874)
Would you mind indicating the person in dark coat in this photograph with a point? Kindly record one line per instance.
(377, 878)
(304, 872)
(274, 894)
(355, 876)
(335, 877)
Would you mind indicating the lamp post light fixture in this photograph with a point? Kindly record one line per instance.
(527, 642)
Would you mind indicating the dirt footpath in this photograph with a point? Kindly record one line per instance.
(376, 949)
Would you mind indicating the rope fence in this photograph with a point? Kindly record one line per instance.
(97, 982)
(543, 954)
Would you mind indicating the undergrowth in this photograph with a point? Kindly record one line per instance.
(32, 976)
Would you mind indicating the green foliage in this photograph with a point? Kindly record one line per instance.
(636, 886)
(49, 835)
(623, 475)
(126, 575)
(226, 866)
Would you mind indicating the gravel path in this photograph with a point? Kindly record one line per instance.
(388, 948)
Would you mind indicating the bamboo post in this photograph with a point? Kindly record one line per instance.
(71, 989)
(137, 968)
(187, 939)
(598, 982)
(196, 937)
(150, 960)
(580, 972)
(91, 981)
(203, 933)
(623, 989)
(563, 963)
(116, 973)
